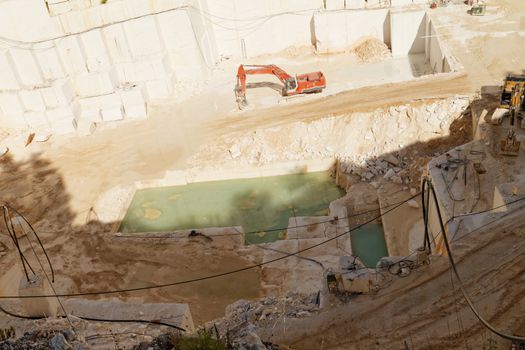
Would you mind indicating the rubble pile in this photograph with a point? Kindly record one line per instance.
(44, 340)
(244, 318)
(388, 167)
(371, 50)
(406, 132)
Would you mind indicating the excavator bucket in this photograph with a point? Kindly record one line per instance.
(240, 98)
(510, 146)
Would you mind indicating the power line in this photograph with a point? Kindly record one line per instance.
(37, 237)
(206, 15)
(12, 234)
(47, 278)
(171, 284)
(480, 318)
(94, 319)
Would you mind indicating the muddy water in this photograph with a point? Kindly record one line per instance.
(368, 243)
(261, 206)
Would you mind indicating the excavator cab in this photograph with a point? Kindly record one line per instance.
(512, 98)
(290, 85)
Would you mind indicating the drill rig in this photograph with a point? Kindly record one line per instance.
(512, 98)
(300, 84)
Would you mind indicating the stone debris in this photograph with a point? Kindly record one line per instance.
(235, 151)
(386, 131)
(413, 204)
(371, 50)
(59, 342)
(380, 156)
(46, 339)
(244, 318)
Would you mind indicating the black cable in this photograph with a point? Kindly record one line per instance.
(12, 314)
(171, 284)
(268, 262)
(39, 241)
(425, 197)
(160, 323)
(285, 252)
(12, 233)
(9, 313)
(461, 286)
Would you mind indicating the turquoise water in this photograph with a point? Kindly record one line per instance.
(258, 205)
(368, 243)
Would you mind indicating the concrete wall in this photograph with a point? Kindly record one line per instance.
(338, 31)
(408, 32)
(249, 28)
(439, 61)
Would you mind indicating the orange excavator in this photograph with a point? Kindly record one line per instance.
(300, 84)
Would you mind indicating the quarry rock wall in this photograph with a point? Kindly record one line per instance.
(67, 65)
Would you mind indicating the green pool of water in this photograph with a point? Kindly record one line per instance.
(368, 243)
(258, 205)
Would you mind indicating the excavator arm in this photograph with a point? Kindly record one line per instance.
(512, 98)
(306, 83)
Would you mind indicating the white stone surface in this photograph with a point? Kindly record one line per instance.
(94, 50)
(27, 20)
(49, 62)
(114, 11)
(157, 89)
(85, 127)
(11, 104)
(140, 71)
(57, 114)
(71, 55)
(434, 52)
(116, 42)
(58, 8)
(335, 4)
(79, 21)
(408, 32)
(182, 46)
(60, 94)
(9, 80)
(79, 4)
(32, 100)
(95, 84)
(88, 109)
(36, 120)
(11, 111)
(64, 126)
(26, 68)
(111, 107)
(143, 37)
(62, 120)
(338, 31)
(133, 103)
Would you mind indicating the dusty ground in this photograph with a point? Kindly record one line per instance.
(425, 309)
(56, 183)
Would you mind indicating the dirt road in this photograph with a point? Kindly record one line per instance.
(360, 100)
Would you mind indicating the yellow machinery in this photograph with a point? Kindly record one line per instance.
(512, 97)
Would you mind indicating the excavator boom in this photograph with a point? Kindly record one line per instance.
(301, 84)
(512, 98)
